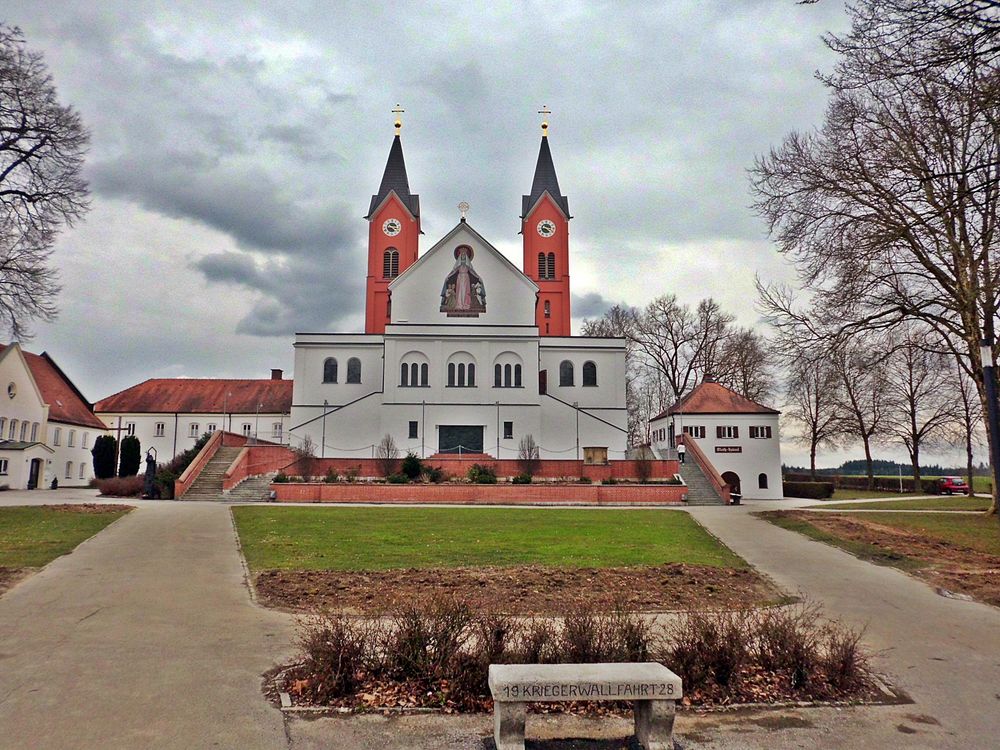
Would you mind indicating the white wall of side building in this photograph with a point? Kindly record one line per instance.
(172, 434)
(71, 462)
(757, 455)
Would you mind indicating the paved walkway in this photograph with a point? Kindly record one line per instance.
(143, 637)
(945, 653)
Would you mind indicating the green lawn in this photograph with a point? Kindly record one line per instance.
(845, 494)
(979, 484)
(32, 536)
(932, 503)
(295, 538)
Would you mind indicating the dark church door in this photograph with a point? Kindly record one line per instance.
(460, 439)
(34, 471)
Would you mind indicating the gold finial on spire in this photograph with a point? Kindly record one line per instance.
(545, 112)
(398, 111)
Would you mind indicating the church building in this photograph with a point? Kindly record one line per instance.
(463, 351)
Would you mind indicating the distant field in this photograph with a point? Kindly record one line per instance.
(935, 503)
(295, 538)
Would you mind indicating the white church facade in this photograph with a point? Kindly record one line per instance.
(463, 352)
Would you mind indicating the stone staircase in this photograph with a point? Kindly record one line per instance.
(208, 485)
(251, 489)
(700, 489)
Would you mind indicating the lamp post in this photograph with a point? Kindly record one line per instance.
(322, 447)
(256, 422)
(225, 402)
(576, 406)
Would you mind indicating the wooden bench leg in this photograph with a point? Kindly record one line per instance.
(508, 725)
(654, 724)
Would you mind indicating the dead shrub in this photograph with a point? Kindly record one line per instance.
(336, 657)
(787, 642)
(581, 639)
(705, 648)
(422, 642)
(537, 643)
(628, 635)
(844, 663)
(121, 486)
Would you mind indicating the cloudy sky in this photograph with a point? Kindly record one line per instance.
(235, 147)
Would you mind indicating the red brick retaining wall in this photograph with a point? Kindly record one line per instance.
(259, 460)
(481, 494)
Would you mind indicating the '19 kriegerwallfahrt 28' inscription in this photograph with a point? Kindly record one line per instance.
(648, 691)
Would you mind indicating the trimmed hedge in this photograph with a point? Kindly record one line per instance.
(880, 484)
(811, 490)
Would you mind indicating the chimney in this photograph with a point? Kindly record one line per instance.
(276, 374)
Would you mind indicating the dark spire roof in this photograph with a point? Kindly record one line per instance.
(545, 181)
(394, 180)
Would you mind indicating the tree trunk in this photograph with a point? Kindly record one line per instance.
(868, 462)
(968, 456)
(812, 460)
(915, 459)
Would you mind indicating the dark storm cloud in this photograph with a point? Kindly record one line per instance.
(590, 305)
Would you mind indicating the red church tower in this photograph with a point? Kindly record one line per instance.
(545, 231)
(393, 234)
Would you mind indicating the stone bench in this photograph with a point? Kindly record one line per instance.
(650, 686)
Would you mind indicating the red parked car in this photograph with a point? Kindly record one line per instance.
(952, 485)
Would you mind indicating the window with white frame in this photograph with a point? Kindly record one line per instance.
(71, 438)
(193, 430)
(3, 467)
(276, 430)
(130, 428)
(3, 426)
(13, 429)
(34, 433)
(210, 427)
(69, 469)
(247, 429)
(727, 432)
(84, 441)
(83, 470)
(760, 432)
(56, 436)
(24, 431)
(159, 429)
(508, 430)
(413, 430)
(695, 431)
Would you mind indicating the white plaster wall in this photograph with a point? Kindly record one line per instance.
(77, 454)
(759, 455)
(510, 295)
(180, 424)
(26, 404)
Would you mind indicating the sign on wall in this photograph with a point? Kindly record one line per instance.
(728, 449)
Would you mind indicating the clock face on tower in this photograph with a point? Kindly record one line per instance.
(392, 227)
(546, 228)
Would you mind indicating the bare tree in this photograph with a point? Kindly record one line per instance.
(889, 210)
(814, 405)
(966, 418)
(745, 365)
(42, 144)
(387, 455)
(862, 395)
(919, 404)
(306, 457)
(527, 455)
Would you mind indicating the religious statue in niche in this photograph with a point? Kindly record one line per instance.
(463, 294)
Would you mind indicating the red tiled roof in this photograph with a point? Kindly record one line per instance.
(201, 396)
(714, 398)
(66, 403)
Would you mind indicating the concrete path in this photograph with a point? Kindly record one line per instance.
(945, 653)
(143, 637)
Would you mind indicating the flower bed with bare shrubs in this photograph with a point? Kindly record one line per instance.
(438, 656)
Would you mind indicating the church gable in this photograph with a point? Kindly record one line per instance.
(463, 280)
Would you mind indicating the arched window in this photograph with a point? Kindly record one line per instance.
(451, 374)
(552, 265)
(423, 373)
(404, 374)
(414, 370)
(24, 433)
(3, 426)
(541, 265)
(330, 370)
(497, 379)
(83, 470)
(69, 469)
(472, 376)
(548, 309)
(508, 371)
(461, 370)
(461, 373)
(517, 376)
(589, 373)
(762, 481)
(565, 373)
(34, 434)
(354, 370)
(13, 431)
(390, 263)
